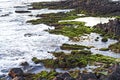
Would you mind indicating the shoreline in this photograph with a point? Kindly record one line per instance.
(85, 72)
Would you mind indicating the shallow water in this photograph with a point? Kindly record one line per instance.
(89, 40)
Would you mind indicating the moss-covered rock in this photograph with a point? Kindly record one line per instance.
(75, 59)
(104, 49)
(45, 75)
(104, 39)
(35, 60)
(115, 47)
(73, 29)
(53, 18)
(73, 47)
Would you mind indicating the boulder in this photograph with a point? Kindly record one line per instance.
(115, 75)
(15, 72)
(64, 76)
(87, 76)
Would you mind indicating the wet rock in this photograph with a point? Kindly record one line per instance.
(101, 77)
(22, 11)
(87, 76)
(64, 76)
(28, 34)
(113, 26)
(15, 72)
(18, 78)
(116, 74)
(4, 15)
(24, 64)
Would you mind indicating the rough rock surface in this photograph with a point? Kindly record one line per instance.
(113, 26)
(115, 75)
(16, 74)
(64, 76)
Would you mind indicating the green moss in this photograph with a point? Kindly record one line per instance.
(45, 75)
(76, 59)
(35, 60)
(50, 5)
(115, 47)
(104, 49)
(73, 47)
(104, 39)
(73, 29)
(85, 52)
(74, 73)
(53, 18)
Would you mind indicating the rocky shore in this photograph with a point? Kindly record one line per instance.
(90, 7)
(79, 56)
(112, 27)
(17, 74)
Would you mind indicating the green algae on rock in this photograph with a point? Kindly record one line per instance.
(104, 49)
(53, 18)
(75, 59)
(73, 47)
(115, 47)
(73, 29)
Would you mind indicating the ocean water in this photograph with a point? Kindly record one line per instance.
(14, 46)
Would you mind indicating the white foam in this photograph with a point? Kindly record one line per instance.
(15, 47)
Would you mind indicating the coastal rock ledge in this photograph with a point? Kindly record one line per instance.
(18, 74)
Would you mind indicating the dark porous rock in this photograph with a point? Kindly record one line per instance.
(113, 26)
(28, 34)
(87, 76)
(24, 63)
(115, 75)
(101, 77)
(18, 78)
(22, 11)
(69, 78)
(15, 72)
(64, 76)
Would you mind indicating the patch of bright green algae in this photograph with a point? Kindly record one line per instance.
(74, 47)
(70, 28)
(45, 75)
(75, 59)
(53, 18)
(73, 29)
